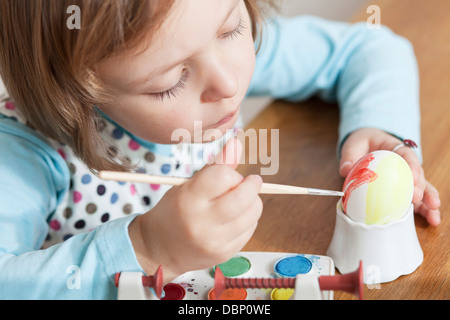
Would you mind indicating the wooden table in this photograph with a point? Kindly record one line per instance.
(308, 136)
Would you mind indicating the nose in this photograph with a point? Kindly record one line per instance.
(221, 80)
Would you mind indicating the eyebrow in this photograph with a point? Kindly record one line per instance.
(163, 70)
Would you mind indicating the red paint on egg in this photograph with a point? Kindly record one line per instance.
(358, 175)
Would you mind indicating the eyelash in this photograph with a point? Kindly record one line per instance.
(172, 93)
(236, 32)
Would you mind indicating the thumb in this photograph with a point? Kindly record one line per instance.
(231, 154)
(351, 152)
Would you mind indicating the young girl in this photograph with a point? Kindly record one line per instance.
(108, 96)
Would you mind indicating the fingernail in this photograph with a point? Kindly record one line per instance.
(435, 218)
(346, 164)
(345, 168)
(257, 178)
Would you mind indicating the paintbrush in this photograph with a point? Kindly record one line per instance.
(266, 188)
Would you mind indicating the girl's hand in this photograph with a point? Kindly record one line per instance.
(201, 223)
(425, 199)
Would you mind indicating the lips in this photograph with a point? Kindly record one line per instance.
(226, 119)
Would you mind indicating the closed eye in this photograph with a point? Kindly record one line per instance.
(238, 31)
(175, 90)
(172, 92)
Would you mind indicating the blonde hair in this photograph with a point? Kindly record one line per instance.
(49, 69)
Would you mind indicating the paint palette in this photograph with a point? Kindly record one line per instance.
(199, 285)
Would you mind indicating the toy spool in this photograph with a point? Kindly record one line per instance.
(349, 282)
(155, 282)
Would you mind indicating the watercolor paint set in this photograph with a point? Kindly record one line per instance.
(272, 276)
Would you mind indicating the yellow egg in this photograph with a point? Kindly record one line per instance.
(378, 189)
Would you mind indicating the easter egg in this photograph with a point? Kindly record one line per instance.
(378, 189)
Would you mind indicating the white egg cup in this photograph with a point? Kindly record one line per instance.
(387, 251)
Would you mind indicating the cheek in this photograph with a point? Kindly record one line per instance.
(249, 68)
(152, 123)
(245, 61)
(181, 118)
(247, 49)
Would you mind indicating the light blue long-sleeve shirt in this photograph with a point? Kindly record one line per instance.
(372, 74)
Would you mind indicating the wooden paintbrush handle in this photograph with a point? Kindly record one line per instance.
(141, 178)
(266, 188)
(270, 188)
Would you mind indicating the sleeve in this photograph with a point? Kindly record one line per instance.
(371, 73)
(33, 180)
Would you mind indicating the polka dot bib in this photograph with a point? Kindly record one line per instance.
(91, 201)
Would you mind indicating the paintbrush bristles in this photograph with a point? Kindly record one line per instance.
(266, 188)
(320, 192)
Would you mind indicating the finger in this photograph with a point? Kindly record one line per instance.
(242, 220)
(229, 243)
(411, 158)
(230, 155)
(237, 243)
(213, 181)
(432, 216)
(431, 197)
(418, 174)
(240, 198)
(351, 152)
(206, 180)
